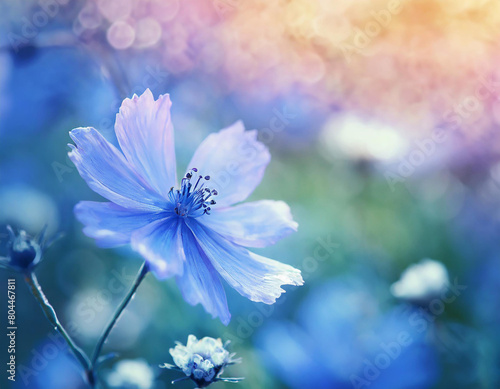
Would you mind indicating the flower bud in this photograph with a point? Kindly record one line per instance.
(23, 251)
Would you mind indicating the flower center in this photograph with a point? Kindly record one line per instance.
(193, 198)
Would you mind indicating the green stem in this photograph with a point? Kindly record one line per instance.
(50, 313)
(140, 276)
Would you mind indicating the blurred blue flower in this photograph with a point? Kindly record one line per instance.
(37, 92)
(344, 340)
(51, 365)
(203, 361)
(185, 232)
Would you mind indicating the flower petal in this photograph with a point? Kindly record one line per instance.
(235, 160)
(253, 276)
(200, 283)
(255, 224)
(160, 243)
(111, 225)
(146, 136)
(107, 172)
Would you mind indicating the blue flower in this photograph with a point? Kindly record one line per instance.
(23, 251)
(191, 231)
(202, 360)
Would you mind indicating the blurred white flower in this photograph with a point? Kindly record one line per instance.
(131, 374)
(421, 281)
(354, 137)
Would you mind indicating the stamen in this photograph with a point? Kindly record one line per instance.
(199, 178)
(192, 200)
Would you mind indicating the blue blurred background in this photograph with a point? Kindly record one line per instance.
(382, 121)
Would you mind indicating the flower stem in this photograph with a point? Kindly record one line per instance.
(140, 276)
(50, 313)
